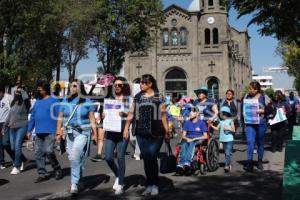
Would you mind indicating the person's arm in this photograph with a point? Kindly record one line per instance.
(215, 127)
(215, 111)
(94, 126)
(204, 137)
(165, 122)
(184, 137)
(129, 120)
(31, 123)
(231, 128)
(59, 129)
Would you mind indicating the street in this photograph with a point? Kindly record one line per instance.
(98, 180)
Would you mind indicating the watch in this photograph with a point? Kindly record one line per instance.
(210, 20)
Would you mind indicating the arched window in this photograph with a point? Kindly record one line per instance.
(176, 82)
(207, 36)
(213, 87)
(183, 36)
(215, 36)
(165, 38)
(210, 2)
(174, 38)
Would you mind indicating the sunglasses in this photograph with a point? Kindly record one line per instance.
(193, 109)
(119, 85)
(74, 86)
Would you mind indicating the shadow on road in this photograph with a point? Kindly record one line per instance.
(3, 182)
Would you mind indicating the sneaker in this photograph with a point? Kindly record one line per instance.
(24, 164)
(136, 157)
(2, 167)
(148, 191)
(41, 179)
(119, 190)
(97, 158)
(260, 165)
(58, 174)
(15, 171)
(74, 189)
(249, 166)
(255, 151)
(116, 184)
(154, 191)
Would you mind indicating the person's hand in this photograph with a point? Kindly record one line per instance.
(167, 136)
(103, 115)
(28, 135)
(123, 114)
(126, 134)
(2, 131)
(59, 135)
(260, 111)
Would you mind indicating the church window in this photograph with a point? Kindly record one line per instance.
(174, 38)
(165, 38)
(215, 36)
(210, 2)
(176, 82)
(183, 36)
(174, 22)
(207, 36)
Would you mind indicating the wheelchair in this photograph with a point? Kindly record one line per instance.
(205, 158)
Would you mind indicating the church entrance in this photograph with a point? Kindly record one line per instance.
(213, 87)
(176, 82)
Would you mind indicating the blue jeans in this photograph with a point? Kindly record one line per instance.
(150, 148)
(255, 134)
(187, 152)
(16, 140)
(228, 147)
(121, 146)
(77, 145)
(44, 148)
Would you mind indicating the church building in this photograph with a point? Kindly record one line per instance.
(196, 47)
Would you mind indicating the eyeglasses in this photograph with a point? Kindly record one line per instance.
(118, 85)
(74, 86)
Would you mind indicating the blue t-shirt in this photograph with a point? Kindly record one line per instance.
(226, 136)
(44, 116)
(195, 129)
(81, 116)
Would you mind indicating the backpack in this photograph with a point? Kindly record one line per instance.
(155, 128)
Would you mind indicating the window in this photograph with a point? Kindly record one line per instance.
(165, 38)
(176, 82)
(183, 36)
(174, 38)
(210, 2)
(215, 36)
(213, 87)
(207, 36)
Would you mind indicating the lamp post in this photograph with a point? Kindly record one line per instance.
(138, 67)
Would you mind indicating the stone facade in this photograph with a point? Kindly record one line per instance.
(194, 48)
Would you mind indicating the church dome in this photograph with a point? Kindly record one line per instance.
(194, 6)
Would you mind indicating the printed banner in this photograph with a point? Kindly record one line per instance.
(250, 111)
(112, 120)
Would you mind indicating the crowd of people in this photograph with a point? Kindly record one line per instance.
(148, 119)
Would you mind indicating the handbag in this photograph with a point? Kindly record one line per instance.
(168, 162)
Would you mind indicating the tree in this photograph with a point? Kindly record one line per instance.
(270, 92)
(122, 26)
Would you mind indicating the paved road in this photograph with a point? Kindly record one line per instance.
(98, 181)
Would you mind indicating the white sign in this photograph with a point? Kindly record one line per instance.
(279, 117)
(112, 120)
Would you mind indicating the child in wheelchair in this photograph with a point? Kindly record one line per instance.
(194, 132)
(226, 128)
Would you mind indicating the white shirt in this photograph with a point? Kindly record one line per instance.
(5, 107)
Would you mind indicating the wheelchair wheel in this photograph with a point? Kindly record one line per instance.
(212, 155)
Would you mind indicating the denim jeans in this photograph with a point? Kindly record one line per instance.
(228, 147)
(44, 148)
(150, 148)
(121, 146)
(255, 133)
(187, 152)
(77, 145)
(16, 140)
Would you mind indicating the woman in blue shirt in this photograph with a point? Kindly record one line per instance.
(255, 133)
(77, 129)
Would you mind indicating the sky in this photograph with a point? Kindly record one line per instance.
(262, 50)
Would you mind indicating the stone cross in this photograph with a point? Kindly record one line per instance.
(211, 65)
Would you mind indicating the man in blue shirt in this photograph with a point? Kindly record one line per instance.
(44, 119)
(194, 132)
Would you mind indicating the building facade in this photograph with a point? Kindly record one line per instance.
(195, 47)
(264, 81)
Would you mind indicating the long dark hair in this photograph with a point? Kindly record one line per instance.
(255, 85)
(126, 91)
(81, 93)
(21, 101)
(148, 78)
